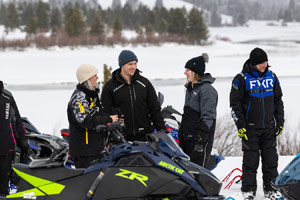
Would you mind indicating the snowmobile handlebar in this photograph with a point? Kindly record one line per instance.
(113, 132)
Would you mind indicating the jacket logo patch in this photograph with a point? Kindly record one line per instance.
(7, 108)
(266, 83)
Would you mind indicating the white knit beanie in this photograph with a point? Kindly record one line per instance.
(85, 72)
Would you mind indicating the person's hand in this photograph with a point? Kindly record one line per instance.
(121, 118)
(25, 153)
(278, 130)
(242, 133)
(114, 118)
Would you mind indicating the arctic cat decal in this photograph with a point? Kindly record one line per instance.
(132, 175)
(171, 167)
(42, 187)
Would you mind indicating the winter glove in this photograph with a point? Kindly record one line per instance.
(242, 133)
(198, 148)
(278, 130)
(25, 152)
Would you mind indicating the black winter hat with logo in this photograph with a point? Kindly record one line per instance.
(197, 64)
(126, 56)
(258, 56)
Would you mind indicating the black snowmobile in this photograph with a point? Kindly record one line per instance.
(288, 181)
(157, 169)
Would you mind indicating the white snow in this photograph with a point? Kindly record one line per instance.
(164, 65)
(230, 163)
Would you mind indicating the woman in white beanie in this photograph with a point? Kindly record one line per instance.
(85, 112)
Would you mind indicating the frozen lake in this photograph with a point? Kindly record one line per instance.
(47, 107)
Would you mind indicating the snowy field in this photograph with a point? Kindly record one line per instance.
(43, 81)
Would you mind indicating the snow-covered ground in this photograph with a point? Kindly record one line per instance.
(164, 65)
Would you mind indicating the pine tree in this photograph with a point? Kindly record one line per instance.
(56, 18)
(149, 29)
(97, 27)
(127, 15)
(162, 25)
(161, 19)
(31, 25)
(159, 4)
(2, 13)
(25, 10)
(90, 17)
(116, 5)
(42, 13)
(134, 4)
(216, 19)
(12, 17)
(177, 21)
(197, 29)
(117, 25)
(106, 74)
(74, 22)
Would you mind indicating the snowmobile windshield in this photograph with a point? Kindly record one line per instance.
(165, 143)
(291, 172)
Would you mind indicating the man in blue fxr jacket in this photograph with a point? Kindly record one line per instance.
(257, 109)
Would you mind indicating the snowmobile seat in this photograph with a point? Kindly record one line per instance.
(57, 173)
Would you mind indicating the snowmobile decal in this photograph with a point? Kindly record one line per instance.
(133, 175)
(42, 187)
(171, 167)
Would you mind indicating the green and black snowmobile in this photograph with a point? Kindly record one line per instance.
(157, 169)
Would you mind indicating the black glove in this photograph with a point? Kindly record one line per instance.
(25, 152)
(117, 111)
(198, 148)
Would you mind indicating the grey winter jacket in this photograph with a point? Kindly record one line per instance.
(200, 108)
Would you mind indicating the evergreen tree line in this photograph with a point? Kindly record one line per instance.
(244, 10)
(77, 20)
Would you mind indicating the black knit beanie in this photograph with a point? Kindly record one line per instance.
(258, 56)
(197, 64)
(126, 56)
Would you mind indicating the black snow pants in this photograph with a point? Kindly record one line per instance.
(199, 152)
(261, 142)
(5, 167)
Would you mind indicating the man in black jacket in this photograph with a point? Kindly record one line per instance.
(257, 109)
(85, 112)
(12, 133)
(136, 98)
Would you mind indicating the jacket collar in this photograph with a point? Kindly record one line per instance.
(117, 76)
(250, 69)
(93, 94)
(206, 78)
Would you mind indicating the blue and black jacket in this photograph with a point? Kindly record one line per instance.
(256, 99)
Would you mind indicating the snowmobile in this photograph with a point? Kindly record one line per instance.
(288, 181)
(156, 169)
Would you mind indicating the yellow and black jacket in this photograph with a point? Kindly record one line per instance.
(85, 112)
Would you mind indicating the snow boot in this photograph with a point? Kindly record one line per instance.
(272, 195)
(248, 195)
